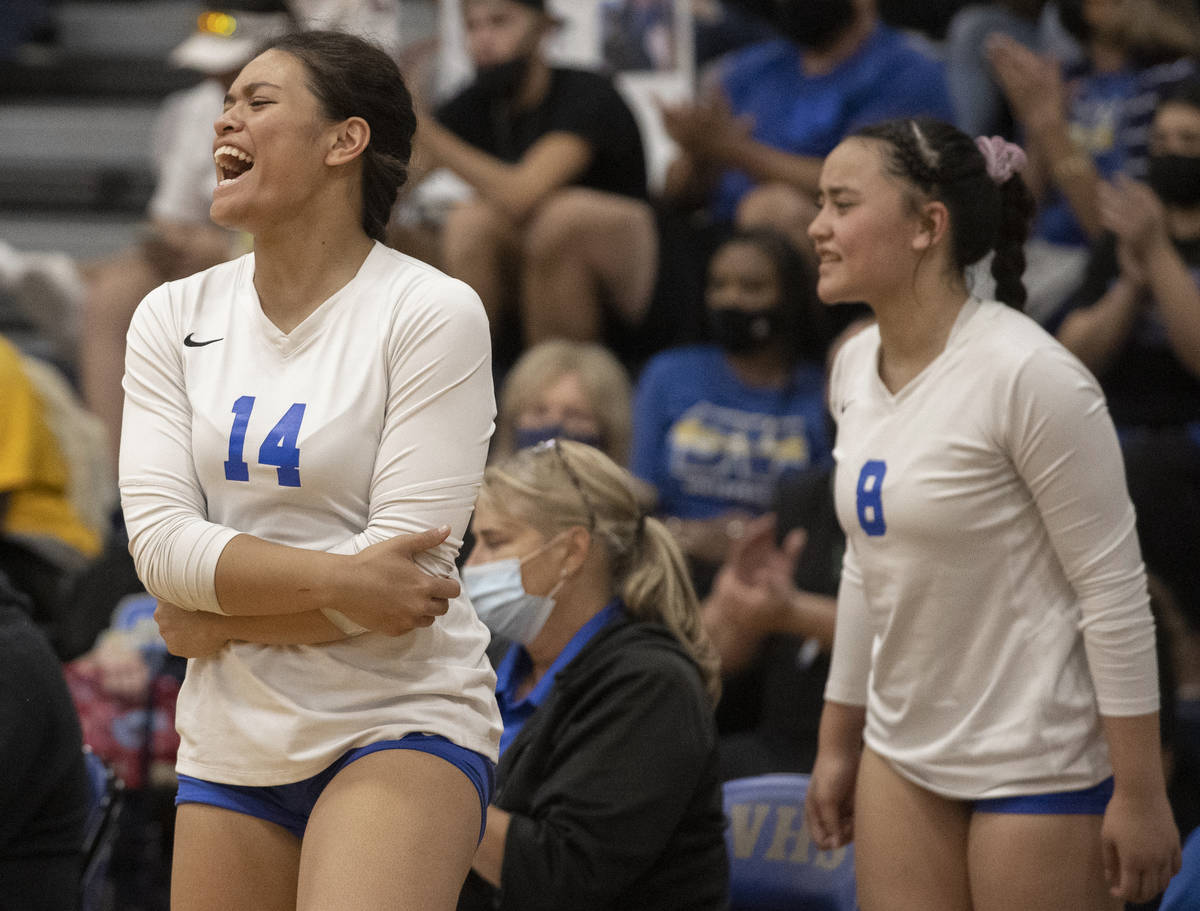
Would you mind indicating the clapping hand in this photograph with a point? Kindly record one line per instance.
(1031, 82)
(704, 129)
(756, 582)
(1132, 212)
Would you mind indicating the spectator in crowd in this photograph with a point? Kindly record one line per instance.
(566, 390)
(178, 237)
(751, 149)
(44, 540)
(770, 616)
(1089, 122)
(558, 230)
(607, 794)
(44, 786)
(716, 425)
(1135, 323)
(40, 299)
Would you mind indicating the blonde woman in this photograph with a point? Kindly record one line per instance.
(566, 389)
(607, 791)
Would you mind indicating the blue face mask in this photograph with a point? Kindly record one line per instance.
(524, 437)
(499, 597)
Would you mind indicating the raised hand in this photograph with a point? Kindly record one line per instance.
(1031, 82)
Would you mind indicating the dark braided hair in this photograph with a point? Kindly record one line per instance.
(351, 77)
(944, 164)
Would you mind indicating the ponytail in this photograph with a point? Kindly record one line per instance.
(658, 587)
(560, 484)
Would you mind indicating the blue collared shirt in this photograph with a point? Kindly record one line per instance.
(517, 665)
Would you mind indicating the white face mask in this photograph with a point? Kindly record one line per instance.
(498, 594)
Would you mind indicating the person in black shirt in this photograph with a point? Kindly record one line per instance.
(1135, 323)
(559, 224)
(44, 788)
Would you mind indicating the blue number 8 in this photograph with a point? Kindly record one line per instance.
(870, 497)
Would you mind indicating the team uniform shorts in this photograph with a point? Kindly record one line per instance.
(290, 805)
(1088, 801)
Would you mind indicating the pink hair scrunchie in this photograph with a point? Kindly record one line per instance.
(1003, 158)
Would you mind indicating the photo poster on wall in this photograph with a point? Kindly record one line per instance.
(646, 45)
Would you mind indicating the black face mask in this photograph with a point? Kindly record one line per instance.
(742, 331)
(1176, 179)
(503, 80)
(814, 24)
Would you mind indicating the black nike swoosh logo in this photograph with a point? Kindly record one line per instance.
(191, 343)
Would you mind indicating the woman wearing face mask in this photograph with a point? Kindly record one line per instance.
(607, 792)
(569, 390)
(1135, 322)
(716, 425)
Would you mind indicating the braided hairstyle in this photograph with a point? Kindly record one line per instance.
(944, 164)
(351, 77)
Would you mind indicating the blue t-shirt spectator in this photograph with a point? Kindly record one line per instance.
(1095, 111)
(709, 443)
(888, 76)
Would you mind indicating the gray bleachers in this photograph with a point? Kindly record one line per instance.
(76, 114)
(75, 124)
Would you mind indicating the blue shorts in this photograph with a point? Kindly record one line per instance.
(290, 805)
(1088, 802)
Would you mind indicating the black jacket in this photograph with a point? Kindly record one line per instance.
(612, 786)
(44, 790)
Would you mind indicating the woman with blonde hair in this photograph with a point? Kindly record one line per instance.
(607, 790)
(570, 390)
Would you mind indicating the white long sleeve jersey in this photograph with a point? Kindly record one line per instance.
(369, 419)
(993, 599)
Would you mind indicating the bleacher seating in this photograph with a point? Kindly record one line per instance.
(76, 109)
(773, 864)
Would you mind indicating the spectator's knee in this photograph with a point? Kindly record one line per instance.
(556, 226)
(474, 227)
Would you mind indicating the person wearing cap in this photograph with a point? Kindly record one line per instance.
(558, 226)
(177, 238)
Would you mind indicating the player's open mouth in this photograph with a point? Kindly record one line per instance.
(232, 163)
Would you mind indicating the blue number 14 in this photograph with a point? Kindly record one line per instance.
(278, 449)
